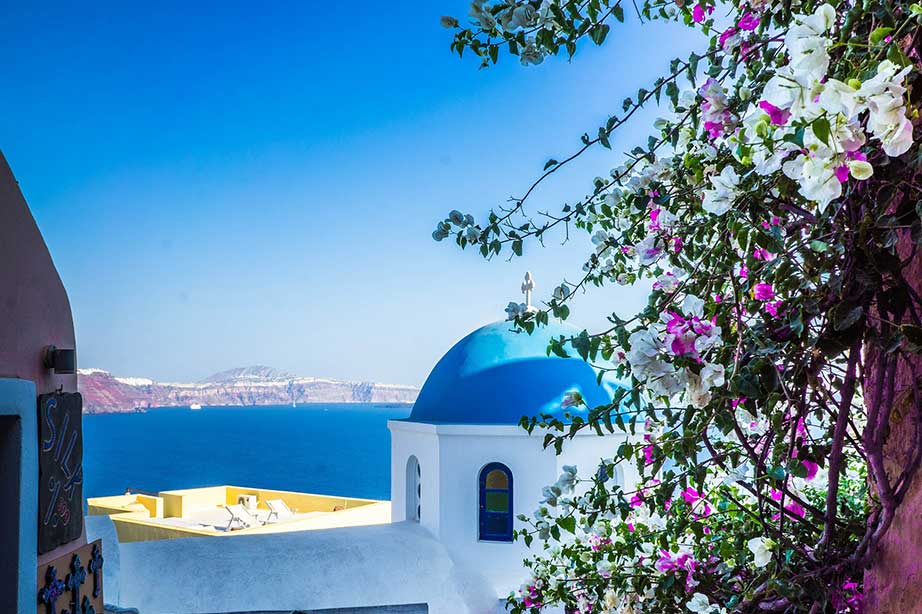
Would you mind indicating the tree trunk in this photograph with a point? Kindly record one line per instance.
(893, 584)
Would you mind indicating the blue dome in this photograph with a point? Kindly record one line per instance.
(496, 375)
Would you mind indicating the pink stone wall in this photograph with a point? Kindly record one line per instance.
(34, 310)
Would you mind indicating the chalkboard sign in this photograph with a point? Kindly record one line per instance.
(60, 470)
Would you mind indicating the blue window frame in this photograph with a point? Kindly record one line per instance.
(496, 503)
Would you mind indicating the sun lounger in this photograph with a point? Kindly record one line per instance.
(279, 509)
(241, 516)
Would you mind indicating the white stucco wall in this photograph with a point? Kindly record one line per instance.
(310, 570)
(419, 440)
(461, 451)
(464, 452)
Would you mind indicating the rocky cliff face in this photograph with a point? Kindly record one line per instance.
(105, 393)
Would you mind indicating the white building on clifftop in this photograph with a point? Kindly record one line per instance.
(461, 471)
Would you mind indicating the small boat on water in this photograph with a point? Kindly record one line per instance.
(195, 406)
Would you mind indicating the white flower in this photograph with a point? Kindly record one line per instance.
(666, 383)
(816, 177)
(515, 309)
(698, 395)
(699, 604)
(719, 199)
(572, 398)
(667, 282)
(567, 479)
(649, 250)
(550, 493)
(687, 98)
(600, 239)
(561, 292)
(896, 138)
(712, 375)
(761, 549)
(482, 16)
(693, 306)
(860, 169)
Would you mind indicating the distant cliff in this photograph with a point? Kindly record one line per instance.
(105, 393)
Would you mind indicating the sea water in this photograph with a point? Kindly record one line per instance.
(331, 449)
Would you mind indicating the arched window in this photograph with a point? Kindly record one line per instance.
(496, 503)
(414, 489)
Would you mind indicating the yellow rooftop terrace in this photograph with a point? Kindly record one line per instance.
(222, 511)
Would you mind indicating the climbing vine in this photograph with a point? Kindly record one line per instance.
(777, 209)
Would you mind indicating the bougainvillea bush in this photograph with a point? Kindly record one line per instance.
(776, 208)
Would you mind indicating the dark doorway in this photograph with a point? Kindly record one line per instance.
(10, 494)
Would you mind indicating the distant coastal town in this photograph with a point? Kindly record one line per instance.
(245, 386)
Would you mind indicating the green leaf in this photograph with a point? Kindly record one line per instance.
(879, 34)
(568, 523)
(819, 246)
(777, 472)
(598, 33)
(672, 91)
(618, 12)
(821, 129)
(844, 315)
(603, 138)
(517, 247)
(550, 163)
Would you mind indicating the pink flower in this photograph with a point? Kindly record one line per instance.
(856, 155)
(778, 116)
(749, 21)
(812, 469)
(597, 541)
(760, 253)
(744, 272)
(746, 49)
(677, 244)
(795, 509)
(714, 129)
(648, 454)
(773, 308)
(725, 36)
(690, 495)
(636, 500)
(698, 12)
(665, 562)
(763, 292)
(842, 173)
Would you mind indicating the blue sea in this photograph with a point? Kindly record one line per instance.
(334, 449)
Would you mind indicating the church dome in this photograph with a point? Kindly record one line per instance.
(496, 375)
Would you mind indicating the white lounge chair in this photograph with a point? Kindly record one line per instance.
(279, 509)
(241, 516)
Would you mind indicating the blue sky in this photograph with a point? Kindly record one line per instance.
(222, 184)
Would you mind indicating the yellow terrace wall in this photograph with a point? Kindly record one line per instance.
(135, 515)
(131, 529)
(297, 501)
(176, 503)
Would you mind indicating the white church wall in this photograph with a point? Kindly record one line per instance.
(419, 440)
(587, 449)
(465, 450)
